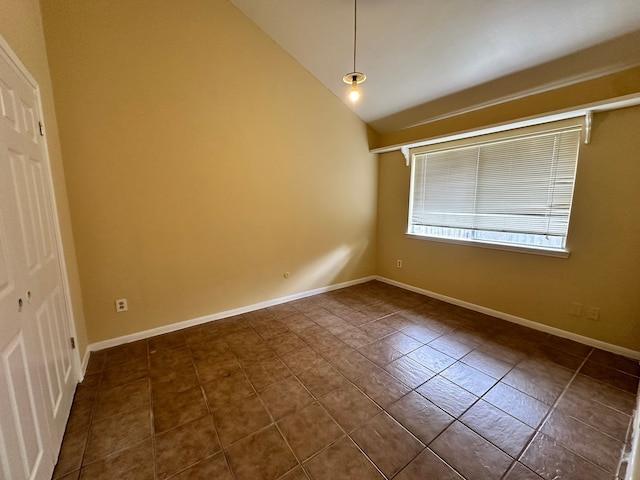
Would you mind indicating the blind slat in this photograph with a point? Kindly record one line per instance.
(522, 185)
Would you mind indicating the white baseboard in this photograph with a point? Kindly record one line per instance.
(520, 321)
(85, 362)
(113, 342)
(276, 301)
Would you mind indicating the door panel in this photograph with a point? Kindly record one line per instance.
(50, 375)
(25, 455)
(29, 121)
(25, 210)
(7, 282)
(37, 377)
(64, 353)
(57, 368)
(39, 187)
(8, 108)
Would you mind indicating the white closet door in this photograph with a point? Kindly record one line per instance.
(37, 378)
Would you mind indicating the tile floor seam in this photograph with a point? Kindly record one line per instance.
(110, 454)
(615, 389)
(151, 416)
(515, 458)
(235, 442)
(455, 419)
(174, 475)
(346, 434)
(318, 401)
(551, 411)
(227, 462)
(255, 392)
(384, 476)
(568, 447)
(273, 420)
(206, 400)
(557, 400)
(544, 420)
(511, 467)
(576, 454)
(300, 464)
(440, 434)
(446, 463)
(622, 455)
(592, 427)
(86, 440)
(153, 436)
(215, 426)
(414, 458)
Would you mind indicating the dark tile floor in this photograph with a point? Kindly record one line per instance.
(367, 382)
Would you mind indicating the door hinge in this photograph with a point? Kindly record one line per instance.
(41, 126)
(73, 343)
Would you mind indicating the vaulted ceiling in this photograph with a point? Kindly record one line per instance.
(428, 59)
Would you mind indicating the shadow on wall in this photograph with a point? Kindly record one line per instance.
(324, 270)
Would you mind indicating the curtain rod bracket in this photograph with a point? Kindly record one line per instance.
(405, 152)
(588, 120)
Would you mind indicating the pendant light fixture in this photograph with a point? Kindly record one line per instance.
(355, 77)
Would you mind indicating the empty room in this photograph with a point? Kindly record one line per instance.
(319, 240)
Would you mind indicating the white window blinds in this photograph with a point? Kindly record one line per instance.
(511, 190)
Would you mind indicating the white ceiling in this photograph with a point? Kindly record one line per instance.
(426, 59)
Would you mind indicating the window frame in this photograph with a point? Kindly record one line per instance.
(483, 138)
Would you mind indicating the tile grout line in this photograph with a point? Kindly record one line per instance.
(538, 429)
(628, 435)
(151, 415)
(256, 393)
(93, 412)
(273, 420)
(209, 413)
(86, 440)
(457, 419)
(384, 409)
(319, 403)
(92, 417)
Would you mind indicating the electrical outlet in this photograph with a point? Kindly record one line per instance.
(593, 313)
(575, 309)
(399, 263)
(121, 305)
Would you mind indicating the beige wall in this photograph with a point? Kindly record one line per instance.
(202, 163)
(21, 27)
(602, 271)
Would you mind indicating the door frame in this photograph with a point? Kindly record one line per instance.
(7, 52)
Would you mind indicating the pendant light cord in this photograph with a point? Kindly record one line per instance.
(355, 30)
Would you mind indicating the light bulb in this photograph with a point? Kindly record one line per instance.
(354, 92)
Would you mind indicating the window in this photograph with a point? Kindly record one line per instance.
(509, 189)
